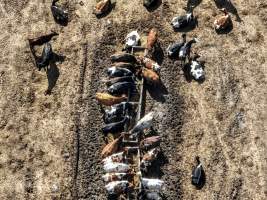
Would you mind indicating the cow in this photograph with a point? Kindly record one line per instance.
(110, 177)
(102, 7)
(111, 147)
(118, 72)
(46, 57)
(222, 22)
(149, 63)
(149, 157)
(118, 187)
(150, 76)
(196, 69)
(144, 123)
(183, 21)
(119, 110)
(152, 184)
(129, 66)
(198, 174)
(60, 15)
(121, 88)
(132, 39)
(173, 49)
(115, 127)
(149, 3)
(109, 100)
(186, 50)
(149, 195)
(116, 167)
(119, 80)
(123, 57)
(152, 39)
(150, 142)
(117, 157)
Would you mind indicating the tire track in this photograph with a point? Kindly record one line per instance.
(78, 120)
(89, 183)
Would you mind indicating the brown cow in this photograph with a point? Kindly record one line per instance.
(151, 76)
(150, 141)
(111, 147)
(102, 7)
(149, 157)
(109, 100)
(152, 38)
(222, 22)
(149, 63)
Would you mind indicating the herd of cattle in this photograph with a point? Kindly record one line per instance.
(123, 76)
(131, 150)
(180, 49)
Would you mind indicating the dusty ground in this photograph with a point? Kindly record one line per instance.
(223, 120)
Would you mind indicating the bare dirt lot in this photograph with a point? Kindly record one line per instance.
(49, 145)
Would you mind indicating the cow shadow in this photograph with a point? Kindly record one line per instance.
(155, 171)
(112, 6)
(158, 91)
(62, 22)
(53, 73)
(158, 54)
(202, 180)
(192, 4)
(228, 5)
(154, 6)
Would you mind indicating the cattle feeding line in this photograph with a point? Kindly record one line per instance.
(140, 113)
(124, 169)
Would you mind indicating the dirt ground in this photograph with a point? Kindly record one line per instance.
(49, 145)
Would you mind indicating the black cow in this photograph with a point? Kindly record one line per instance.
(115, 127)
(123, 57)
(46, 57)
(121, 88)
(120, 79)
(60, 15)
(198, 175)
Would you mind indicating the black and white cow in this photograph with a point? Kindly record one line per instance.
(173, 49)
(118, 72)
(183, 21)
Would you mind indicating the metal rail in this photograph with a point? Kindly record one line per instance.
(140, 113)
(136, 143)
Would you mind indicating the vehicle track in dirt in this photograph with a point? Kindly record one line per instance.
(89, 184)
(78, 120)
